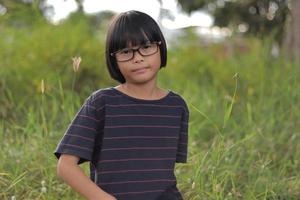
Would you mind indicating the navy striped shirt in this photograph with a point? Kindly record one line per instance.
(132, 144)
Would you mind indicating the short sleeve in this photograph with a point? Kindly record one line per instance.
(79, 138)
(182, 149)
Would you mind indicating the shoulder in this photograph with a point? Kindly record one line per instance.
(180, 100)
(99, 96)
(102, 92)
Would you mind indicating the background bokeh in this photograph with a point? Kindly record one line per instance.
(240, 78)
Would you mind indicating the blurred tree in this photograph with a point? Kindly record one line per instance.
(80, 5)
(164, 13)
(262, 18)
(25, 13)
(292, 36)
(258, 17)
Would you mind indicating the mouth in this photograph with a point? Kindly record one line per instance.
(140, 70)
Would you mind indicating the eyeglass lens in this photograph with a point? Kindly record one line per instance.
(128, 53)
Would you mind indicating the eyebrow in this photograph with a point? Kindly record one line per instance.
(137, 46)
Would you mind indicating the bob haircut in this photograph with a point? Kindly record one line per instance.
(134, 28)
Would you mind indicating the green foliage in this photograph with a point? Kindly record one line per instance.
(243, 130)
(22, 14)
(249, 157)
(261, 18)
(190, 6)
(45, 52)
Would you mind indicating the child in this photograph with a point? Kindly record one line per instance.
(131, 134)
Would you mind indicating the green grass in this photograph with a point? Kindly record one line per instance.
(243, 130)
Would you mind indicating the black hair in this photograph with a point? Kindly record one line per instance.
(135, 28)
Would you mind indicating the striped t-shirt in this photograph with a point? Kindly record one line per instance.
(132, 144)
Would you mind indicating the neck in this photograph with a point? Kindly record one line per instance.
(145, 91)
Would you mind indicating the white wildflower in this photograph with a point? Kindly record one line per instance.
(76, 63)
(42, 86)
(43, 190)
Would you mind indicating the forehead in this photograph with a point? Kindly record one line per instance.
(131, 38)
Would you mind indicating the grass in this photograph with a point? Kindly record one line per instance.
(243, 130)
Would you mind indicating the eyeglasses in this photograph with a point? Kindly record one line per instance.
(127, 54)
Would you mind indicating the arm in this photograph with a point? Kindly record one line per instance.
(73, 175)
(182, 150)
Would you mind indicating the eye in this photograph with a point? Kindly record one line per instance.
(146, 46)
(125, 51)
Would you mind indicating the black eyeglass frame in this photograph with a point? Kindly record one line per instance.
(136, 49)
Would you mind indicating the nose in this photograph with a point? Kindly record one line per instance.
(137, 56)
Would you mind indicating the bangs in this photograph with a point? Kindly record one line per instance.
(129, 33)
(132, 38)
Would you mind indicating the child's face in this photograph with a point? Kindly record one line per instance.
(140, 69)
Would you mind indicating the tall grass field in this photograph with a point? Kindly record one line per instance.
(244, 128)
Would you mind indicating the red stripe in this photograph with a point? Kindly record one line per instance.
(100, 108)
(148, 181)
(86, 127)
(124, 160)
(183, 144)
(101, 95)
(72, 145)
(136, 170)
(138, 148)
(153, 105)
(142, 192)
(141, 126)
(86, 138)
(140, 137)
(89, 106)
(170, 116)
(97, 120)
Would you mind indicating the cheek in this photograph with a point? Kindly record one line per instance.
(157, 60)
(123, 72)
(122, 67)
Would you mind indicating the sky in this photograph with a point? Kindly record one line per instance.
(63, 8)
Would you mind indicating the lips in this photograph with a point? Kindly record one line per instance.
(142, 69)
